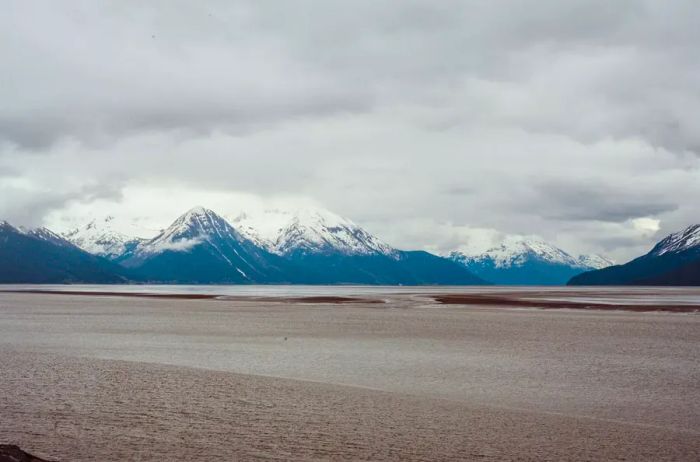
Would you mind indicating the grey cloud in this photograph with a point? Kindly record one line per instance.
(460, 190)
(97, 73)
(558, 118)
(599, 202)
(612, 243)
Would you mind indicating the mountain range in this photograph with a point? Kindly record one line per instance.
(313, 246)
(316, 246)
(309, 247)
(675, 260)
(523, 261)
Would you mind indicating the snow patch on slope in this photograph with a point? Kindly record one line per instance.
(46, 234)
(595, 261)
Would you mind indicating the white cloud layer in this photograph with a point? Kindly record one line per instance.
(436, 124)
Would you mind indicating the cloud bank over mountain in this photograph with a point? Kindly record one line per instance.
(435, 125)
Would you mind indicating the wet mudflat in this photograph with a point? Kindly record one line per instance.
(115, 378)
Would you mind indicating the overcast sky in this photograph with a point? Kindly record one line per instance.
(435, 124)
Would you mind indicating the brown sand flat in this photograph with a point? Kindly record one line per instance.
(85, 410)
(134, 378)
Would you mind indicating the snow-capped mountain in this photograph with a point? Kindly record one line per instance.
(196, 226)
(99, 237)
(681, 241)
(201, 246)
(308, 230)
(675, 260)
(515, 251)
(41, 256)
(519, 260)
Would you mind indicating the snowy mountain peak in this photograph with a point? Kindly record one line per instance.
(192, 228)
(687, 239)
(198, 221)
(308, 230)
(198, 211)
(516, 250)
